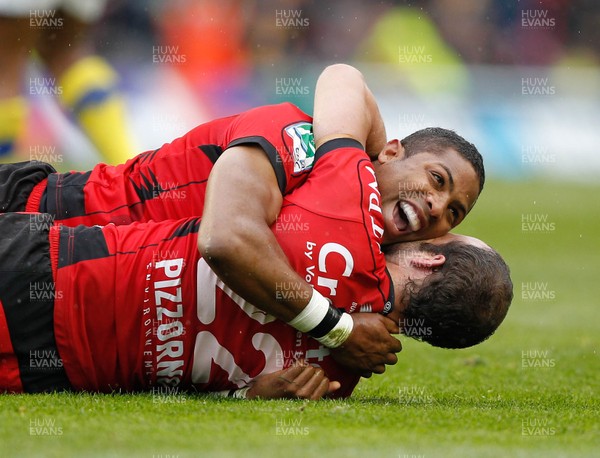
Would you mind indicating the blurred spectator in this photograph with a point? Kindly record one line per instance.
(407, 38)
(206, 42)
(57, 32)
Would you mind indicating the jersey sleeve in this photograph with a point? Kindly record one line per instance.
(335, 220)
(285, 133)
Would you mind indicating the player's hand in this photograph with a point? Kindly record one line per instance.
(299, 381)
(370, 345)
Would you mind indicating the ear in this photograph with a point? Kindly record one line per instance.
(391, 151)
(428, 261)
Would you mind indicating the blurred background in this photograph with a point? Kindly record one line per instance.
(518, 78)
(84, 81)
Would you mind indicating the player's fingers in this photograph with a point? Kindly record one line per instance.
(391, 359)
(391, 325)
(395, 345)
(312, 385)
(286, 379)
(333, 386)
(366, 374)
(379, 369)
(304, 376)
(320, 390)
(376, 363)
(292, 372)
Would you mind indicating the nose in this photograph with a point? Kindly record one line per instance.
(437, 203)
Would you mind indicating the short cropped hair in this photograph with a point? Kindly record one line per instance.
(436, 140)
(463, 302)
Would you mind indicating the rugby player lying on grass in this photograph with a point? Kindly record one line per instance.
(135, 307)
(442, 183)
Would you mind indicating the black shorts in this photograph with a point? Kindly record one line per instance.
(18, 180)
(27, 297)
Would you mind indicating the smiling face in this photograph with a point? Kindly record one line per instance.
(425, 195)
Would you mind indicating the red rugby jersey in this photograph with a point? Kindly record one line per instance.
(170, 182)
(136, 306)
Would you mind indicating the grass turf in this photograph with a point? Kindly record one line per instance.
(531, 390)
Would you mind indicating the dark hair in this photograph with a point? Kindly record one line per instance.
(463, 302)
(436, 140)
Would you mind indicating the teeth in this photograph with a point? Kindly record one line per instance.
(411, 215)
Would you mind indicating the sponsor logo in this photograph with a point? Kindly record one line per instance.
(303, 149)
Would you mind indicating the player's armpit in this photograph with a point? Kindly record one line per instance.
(326, 138)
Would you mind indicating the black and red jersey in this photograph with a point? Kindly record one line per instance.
(137, 307)
(170, 182)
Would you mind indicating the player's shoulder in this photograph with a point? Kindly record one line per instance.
(342, 160)
(285, 109)
(340, 184)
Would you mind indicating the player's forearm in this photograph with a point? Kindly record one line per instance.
(254, 267)
(345, 107)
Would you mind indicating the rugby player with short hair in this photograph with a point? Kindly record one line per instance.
(57, 33)
(134, 307)
(69, 321)
(447, 173)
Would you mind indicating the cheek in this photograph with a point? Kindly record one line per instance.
(389, 192)
(441, 227)
(387, 210)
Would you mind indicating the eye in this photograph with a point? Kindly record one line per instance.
(455, 215)
(437, 177)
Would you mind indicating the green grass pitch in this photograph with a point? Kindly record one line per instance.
(530, 391)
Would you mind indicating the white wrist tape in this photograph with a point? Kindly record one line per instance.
(313, 313)
(340, 333)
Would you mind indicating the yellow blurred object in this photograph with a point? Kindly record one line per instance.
(88, 90)
(13, 117)
(407, 37)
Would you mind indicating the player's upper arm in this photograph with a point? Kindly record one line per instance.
(342, 105)
(242, 192)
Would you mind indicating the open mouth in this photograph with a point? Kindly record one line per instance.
(406, 218)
